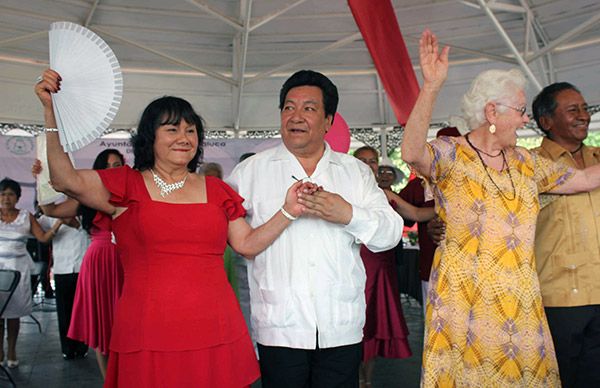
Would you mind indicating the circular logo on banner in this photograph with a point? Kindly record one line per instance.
(20, 145)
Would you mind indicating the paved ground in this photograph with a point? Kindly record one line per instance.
(42, 365)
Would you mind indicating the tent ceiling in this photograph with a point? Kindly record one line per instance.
(230, 57)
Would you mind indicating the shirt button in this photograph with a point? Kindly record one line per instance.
(572, 267)
(575, 290)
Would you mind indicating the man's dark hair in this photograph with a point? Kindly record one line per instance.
(312, 78)
(544, 103)
(165, 110)
(13, 185)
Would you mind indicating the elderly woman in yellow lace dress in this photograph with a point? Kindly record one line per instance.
(485, 324)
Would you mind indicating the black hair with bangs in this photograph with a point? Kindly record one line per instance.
(87, 213)
(312, 78)
(165, 110)
(10, 184)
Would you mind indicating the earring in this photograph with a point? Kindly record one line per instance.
(492, 128)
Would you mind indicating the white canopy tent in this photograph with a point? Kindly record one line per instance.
(230, 57)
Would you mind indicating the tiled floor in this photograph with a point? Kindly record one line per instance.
(42, 365)
(404, 373)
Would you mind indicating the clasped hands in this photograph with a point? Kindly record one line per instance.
(307, 198)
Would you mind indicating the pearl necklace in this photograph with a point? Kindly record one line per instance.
(167, 188)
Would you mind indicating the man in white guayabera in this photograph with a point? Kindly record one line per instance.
(307, 288)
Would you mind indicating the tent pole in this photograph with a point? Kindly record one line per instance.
(273, 15)
(337, 44)
(510, 44)
(242, 62)
(206, 8)
(88, 19)
(380, 100)
(591, 22)
(170, 58)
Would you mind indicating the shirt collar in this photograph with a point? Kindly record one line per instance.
(329, 156)
(556, 150)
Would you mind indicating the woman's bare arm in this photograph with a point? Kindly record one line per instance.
(40, 234)
(82, 185)
(587, 179)
(434, 65)
(249, 242)
(407, 210)
(66, 209)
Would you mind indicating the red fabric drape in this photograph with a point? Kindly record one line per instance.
(379, 27)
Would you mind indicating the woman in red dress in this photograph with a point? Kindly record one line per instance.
(100, 277)
(385, 333)
(177, 323)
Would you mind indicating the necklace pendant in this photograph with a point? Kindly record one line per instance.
(167, 188)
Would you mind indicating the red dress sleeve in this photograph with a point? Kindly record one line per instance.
(118, 182)
(229, 200)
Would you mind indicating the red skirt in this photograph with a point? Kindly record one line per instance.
(231, 365)
(98, 288)
(385, 333)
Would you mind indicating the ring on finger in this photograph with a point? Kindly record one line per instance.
(39, 79)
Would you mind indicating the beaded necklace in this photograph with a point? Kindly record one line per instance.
(485, 167)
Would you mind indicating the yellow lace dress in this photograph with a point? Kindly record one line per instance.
(485, 323)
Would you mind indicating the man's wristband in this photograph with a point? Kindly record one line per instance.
(287, 215)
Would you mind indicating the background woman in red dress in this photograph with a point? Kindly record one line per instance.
(385, 333)
(101, 276)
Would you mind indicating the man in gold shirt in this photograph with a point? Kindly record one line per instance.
(567, 243)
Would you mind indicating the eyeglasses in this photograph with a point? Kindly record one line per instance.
(522, 110)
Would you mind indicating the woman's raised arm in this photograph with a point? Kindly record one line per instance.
(83, 185)
(65, 209)
(434, 65)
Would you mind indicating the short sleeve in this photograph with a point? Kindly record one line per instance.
(228, 199)
(443, 157)
(549, 174)
(117, 181)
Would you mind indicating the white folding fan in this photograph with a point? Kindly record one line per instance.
(91, 87)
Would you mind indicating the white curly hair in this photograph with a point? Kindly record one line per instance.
(491, 85)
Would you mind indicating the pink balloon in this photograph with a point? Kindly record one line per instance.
(338, 135)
